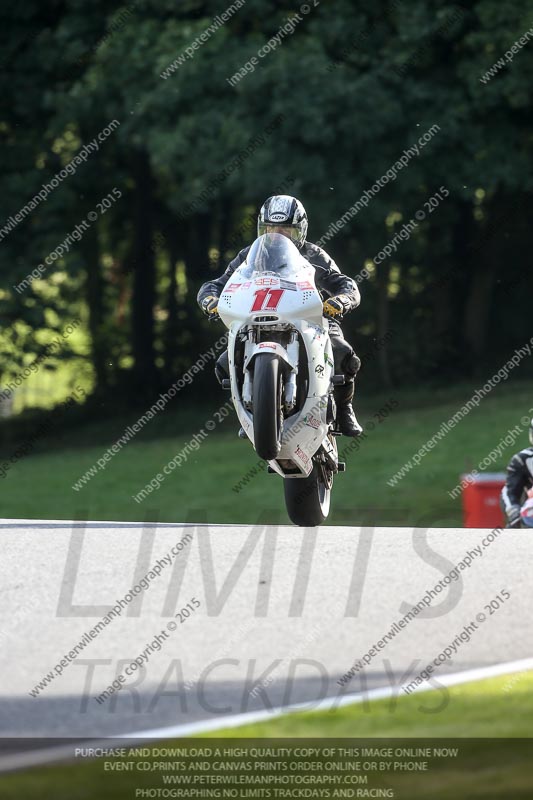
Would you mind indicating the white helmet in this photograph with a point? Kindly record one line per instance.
(283, 214)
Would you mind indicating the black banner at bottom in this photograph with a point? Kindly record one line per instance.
(325, 769)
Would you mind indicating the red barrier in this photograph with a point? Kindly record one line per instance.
(481, 500)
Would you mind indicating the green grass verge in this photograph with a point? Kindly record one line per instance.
(495, 708)
(40, 485)
(495, 766)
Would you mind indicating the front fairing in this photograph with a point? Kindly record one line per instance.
(276, 282)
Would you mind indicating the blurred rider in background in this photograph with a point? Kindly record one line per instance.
(518, 485)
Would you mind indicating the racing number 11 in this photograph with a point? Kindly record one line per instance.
(267, 299)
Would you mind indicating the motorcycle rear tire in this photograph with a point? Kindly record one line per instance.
(307, 499)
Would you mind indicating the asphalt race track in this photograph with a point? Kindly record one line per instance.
(283, 613)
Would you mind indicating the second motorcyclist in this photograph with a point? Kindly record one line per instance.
(518, 483)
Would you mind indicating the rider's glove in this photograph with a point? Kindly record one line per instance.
(513, 517)
(336, 307)
(209, 306)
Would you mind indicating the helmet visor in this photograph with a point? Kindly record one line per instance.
(292, 232)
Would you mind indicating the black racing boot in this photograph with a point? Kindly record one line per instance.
(346, 419)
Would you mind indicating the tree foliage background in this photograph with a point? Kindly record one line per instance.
(355, 85)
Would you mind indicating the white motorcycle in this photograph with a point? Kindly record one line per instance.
(281, 372)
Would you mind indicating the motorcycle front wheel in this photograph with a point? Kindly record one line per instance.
(307, 499)
(266, 406)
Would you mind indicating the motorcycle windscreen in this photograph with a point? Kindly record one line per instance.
(274, 252)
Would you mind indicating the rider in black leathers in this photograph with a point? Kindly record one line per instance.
(284, 214)
(519, 480)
